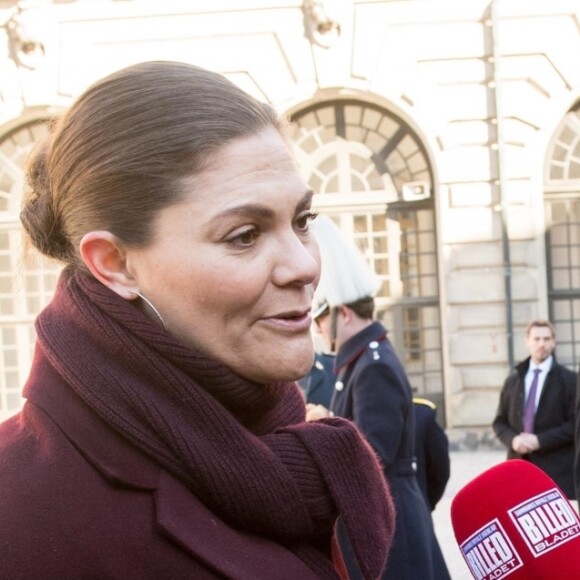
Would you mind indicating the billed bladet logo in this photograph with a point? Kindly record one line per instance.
(545, 521)
(489, 553)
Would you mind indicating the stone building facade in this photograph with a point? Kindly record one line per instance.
(442, 135)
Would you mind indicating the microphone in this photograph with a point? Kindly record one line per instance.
(513, 520)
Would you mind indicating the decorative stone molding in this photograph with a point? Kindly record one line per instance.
(322, 20)
(27, 32)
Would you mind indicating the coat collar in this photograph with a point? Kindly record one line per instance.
(110, 453)
(358, 343)
(180, 515)
(230, 552)
(523, 367)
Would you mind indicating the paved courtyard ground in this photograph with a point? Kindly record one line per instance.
(465, 465)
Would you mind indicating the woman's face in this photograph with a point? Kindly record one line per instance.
(232, 269)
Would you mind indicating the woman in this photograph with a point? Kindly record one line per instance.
(163, 435)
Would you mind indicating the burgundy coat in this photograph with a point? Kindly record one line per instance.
(77, 501)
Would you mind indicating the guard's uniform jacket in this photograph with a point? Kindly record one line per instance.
(432, 450)
(318, 384)
(372, 390)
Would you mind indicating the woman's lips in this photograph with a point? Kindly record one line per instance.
(291, 322)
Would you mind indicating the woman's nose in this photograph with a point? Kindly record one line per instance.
(298, 262)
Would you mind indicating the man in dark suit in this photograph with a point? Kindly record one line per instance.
(536, 412)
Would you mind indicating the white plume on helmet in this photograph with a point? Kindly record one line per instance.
(345, 276)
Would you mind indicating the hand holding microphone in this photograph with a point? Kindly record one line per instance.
(513, 520)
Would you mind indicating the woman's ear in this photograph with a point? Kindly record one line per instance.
(106, 258)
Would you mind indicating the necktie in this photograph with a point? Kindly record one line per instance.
(530, 409)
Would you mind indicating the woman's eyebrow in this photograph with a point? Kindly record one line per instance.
(306, 200)
(253, 210)
(261, 211)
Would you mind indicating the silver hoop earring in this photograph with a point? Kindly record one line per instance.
(150, 304)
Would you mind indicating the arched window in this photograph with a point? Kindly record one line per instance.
(27, 282)
(562, 210)
(372, 175)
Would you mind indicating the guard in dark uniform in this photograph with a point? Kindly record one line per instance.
(318, 384)
(373, 391)
(432, 451)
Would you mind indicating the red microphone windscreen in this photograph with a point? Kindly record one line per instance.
(513, 520)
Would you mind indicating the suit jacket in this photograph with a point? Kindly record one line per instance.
(372, 390)
(432, 447)
(553, 423)
(103, 510)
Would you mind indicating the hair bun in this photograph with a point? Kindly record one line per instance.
(38, 214)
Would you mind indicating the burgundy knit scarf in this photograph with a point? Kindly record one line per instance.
(242, 448)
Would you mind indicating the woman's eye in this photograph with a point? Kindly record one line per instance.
(245, 238)
(303, 220)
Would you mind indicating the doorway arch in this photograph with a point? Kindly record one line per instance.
(562, 231)
(371, 173)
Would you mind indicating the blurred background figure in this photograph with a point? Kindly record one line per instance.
(432, 452)
(373, 391)
(536, 413)
(431, 443)
(318, 385)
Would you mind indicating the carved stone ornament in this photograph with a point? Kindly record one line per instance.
(27, 32)
(322, 18)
